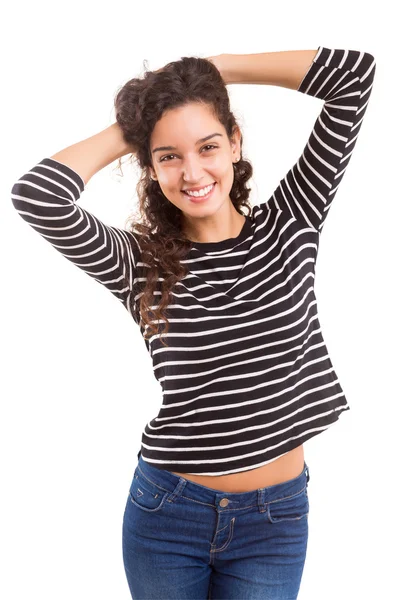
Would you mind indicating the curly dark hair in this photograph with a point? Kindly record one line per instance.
(139, 104)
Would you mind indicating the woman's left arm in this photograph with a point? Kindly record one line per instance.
(343, 80)
(284, 69)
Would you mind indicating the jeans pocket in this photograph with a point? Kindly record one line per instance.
(144, 494)
(291, 508)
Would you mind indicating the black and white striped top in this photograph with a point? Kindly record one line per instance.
(246, 376)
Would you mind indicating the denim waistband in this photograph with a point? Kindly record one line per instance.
(167, 481)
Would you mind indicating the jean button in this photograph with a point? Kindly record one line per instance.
(224, 502)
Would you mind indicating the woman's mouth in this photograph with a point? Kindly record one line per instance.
(197, 199)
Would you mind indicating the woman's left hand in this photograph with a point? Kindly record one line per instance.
(218, 61)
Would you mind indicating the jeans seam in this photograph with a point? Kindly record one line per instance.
(207, 504)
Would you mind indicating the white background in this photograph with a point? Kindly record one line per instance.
(77, 386)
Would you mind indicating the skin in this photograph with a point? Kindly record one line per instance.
(192, 164)
(282, 469)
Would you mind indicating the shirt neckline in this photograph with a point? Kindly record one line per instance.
(228, 243)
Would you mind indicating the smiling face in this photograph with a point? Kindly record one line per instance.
(190, 149)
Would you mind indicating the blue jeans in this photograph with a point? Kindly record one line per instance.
(182, 540)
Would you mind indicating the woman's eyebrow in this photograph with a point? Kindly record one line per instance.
(204, 139)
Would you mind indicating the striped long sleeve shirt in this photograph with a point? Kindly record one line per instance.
(246, 375)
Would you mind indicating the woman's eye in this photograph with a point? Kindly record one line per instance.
(211, 146)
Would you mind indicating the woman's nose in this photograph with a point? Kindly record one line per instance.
(192, 171)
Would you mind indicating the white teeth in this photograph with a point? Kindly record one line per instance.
(202, 192)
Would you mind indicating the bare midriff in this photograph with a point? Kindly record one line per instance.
(288, 466)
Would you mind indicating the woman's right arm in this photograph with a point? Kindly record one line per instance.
(94, 153)
(46, 197)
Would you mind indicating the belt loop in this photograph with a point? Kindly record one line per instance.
(261, 500)
(307, 473)
(178, 489)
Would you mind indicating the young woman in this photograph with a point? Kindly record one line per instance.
(218, 505)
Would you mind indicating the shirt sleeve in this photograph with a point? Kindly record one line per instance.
(343, 79)
(46, 198)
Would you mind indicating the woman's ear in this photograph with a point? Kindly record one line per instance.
(235, 143)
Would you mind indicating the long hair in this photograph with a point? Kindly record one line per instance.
(139, 104)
